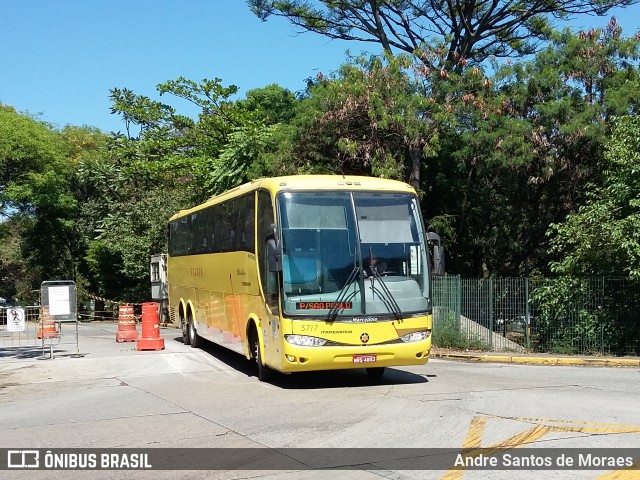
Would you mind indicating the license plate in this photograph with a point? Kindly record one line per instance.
(364, 358)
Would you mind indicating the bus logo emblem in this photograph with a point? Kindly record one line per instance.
(364, 338)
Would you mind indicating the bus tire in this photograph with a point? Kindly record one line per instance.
(375, 373)
(193, 334)
(264, 372)
(184, 325)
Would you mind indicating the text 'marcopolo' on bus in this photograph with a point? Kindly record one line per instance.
(305, 273)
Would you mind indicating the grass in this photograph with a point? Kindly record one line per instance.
(447, 334)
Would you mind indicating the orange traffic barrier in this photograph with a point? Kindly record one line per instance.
(126, 325)
(150, 338)
(47, 328)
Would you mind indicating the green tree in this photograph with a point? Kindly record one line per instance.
(172, 145)
(470, 29)
(26, 146)
(13, 272)
(524, 145)
(271, 105)
(37, 185)
(368, 119)
(133, 230)
(170, 162)
(601, 238)
(253, 147)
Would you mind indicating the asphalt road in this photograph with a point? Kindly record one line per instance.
(117, 397)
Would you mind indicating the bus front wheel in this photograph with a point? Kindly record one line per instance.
(264, 372)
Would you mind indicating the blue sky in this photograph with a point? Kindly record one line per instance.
(60, 58)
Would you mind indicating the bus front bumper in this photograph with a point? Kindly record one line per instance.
(305, 359)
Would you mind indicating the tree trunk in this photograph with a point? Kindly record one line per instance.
(415, 152)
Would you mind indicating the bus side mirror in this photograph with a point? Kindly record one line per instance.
(436, 252)
(274, 259)
(438, 260)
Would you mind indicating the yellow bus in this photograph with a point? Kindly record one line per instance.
(303, 273)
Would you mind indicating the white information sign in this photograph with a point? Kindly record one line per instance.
(59, 301)
(16, 320)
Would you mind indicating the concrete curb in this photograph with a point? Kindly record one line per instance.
(525, 360)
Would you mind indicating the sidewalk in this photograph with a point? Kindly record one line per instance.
(534, 358)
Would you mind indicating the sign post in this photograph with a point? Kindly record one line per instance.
(58, 298)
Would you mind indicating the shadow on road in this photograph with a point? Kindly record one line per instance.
(18, 353)
(312, 380)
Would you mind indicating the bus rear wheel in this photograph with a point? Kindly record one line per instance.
(193, 334)
(185, 332)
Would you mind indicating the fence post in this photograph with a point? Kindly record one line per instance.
(459, 301)
(599, 308)
(491, 312)
(527, 315)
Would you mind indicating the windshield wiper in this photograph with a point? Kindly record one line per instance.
(386, 296)
(389, 301)
(342, 295)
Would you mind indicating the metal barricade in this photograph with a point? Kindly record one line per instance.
(10, 336)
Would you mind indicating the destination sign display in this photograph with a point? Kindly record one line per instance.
(324, 305)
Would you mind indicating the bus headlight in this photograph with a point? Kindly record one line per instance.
(305, 341)
(416, 336)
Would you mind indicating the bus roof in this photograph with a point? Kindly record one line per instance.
(306, 182)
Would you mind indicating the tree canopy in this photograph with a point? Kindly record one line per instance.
(522, 166)
(468, 29)
(601, 238)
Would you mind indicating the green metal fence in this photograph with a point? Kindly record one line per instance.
(571, 316)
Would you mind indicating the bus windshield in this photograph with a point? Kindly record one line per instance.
(353, 254)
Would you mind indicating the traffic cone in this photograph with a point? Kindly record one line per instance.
(47, 328)
(150, 338)
(126, 324)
